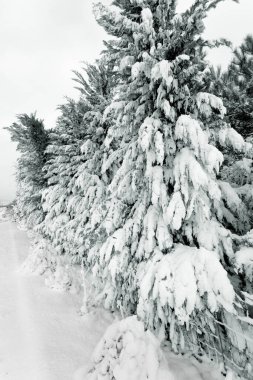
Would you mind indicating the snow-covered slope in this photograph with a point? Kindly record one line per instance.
(42, 335)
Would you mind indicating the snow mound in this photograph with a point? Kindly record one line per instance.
(126, 352)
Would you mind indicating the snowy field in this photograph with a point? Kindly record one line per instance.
(42, 334)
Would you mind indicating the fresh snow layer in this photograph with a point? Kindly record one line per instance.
(42, 334)
(127, 351)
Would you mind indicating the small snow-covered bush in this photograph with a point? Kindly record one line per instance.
(65, 277)
(128, 352)
(40, 259)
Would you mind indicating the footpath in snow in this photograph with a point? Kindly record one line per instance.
(42, 335)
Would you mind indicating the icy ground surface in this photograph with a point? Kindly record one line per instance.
(42, 335)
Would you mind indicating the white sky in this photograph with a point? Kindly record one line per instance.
(41, 41)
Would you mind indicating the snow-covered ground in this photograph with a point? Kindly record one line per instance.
(42, 334)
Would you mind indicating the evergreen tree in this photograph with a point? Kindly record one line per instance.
(32, 139)
(133, 186)
(166, 214)
(73, 167)
(235, 87)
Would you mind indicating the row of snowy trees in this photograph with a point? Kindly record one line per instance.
(144, 181)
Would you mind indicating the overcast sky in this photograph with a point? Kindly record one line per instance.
(41, 41)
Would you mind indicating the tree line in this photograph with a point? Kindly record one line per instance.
(146, 179)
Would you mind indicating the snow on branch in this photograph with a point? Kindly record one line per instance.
(176, 212)
(181, 283)
(126, 62)
(147, 131)
(147, 20)
(206, 103)
(244, 261)
(189, 132)
(228, 137)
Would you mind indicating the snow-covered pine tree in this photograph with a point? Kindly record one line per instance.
(32, 139)
(73, 165)
(62, 159)
(88, 184)
(167, 217)
(235, 86)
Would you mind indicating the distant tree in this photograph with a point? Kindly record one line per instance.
(235, 87)
(31, 137)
